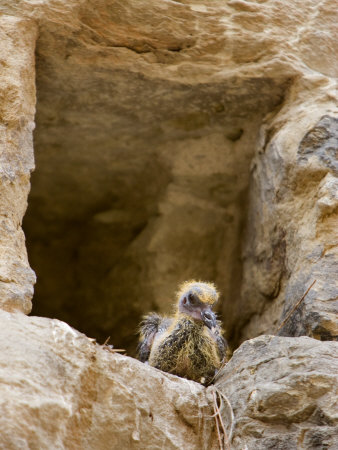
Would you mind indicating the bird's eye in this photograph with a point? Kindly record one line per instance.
(192, 299)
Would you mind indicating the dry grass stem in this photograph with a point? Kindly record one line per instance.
(231, 413)
(223, 364)
(216, 421)
(295, 307)
(114, 350)
(110, 348)
(224, 442)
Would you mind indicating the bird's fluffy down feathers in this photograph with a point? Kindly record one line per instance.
(182, 345)
(206, 292)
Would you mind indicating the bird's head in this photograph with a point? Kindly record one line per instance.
(196, 300)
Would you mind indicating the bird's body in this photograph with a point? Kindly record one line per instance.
(189, 344)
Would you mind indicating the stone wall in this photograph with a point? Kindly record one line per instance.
(17, 107)
(292, 224)
(173, 140)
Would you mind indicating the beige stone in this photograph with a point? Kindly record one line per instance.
(283, 392)
(173, 140)
(148, 117)
(292, 225)
(62, 391)
(17, 107)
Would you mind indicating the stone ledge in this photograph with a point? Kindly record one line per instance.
(283, 392)
(61, 390)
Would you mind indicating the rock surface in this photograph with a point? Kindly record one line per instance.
(283, 392)
(292, 227)
(159, 125)
(148, 117)
(17, 108)
(60, 390)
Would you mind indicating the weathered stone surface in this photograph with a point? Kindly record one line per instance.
(284, 393)
(148, 117)
(158, 125)
(17, 107)
(60, 390)
(163, 171)
(292, 227)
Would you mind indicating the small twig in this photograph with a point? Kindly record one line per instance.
(295, 307)
(223, 364)
(113, 350)
(219, 417)
(216, 420)
(106, 341)
(224, 438)
(232, 417)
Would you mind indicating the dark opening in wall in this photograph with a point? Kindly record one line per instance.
(141, 182)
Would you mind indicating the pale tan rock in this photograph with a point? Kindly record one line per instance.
(157, 108)
(60, 390)
(17, 107)
(283, 392)
(154, 121)
(292, 226)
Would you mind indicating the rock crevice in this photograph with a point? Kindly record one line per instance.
(173, 140)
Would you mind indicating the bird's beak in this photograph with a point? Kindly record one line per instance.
(208, 318)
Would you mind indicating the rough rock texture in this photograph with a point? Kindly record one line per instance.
(17, 107)
(61, 390)
(292, 227)
(284, 393)
(148, 116)
(155, 196)
(174, 139)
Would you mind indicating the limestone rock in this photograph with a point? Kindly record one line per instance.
(159, 125)
(283, 392)
(17, 107)
(61, 390)
(292, 226)
(148, 117)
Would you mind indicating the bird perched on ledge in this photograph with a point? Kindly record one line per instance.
(189, 344)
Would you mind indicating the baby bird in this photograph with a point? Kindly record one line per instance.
(189, 344)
